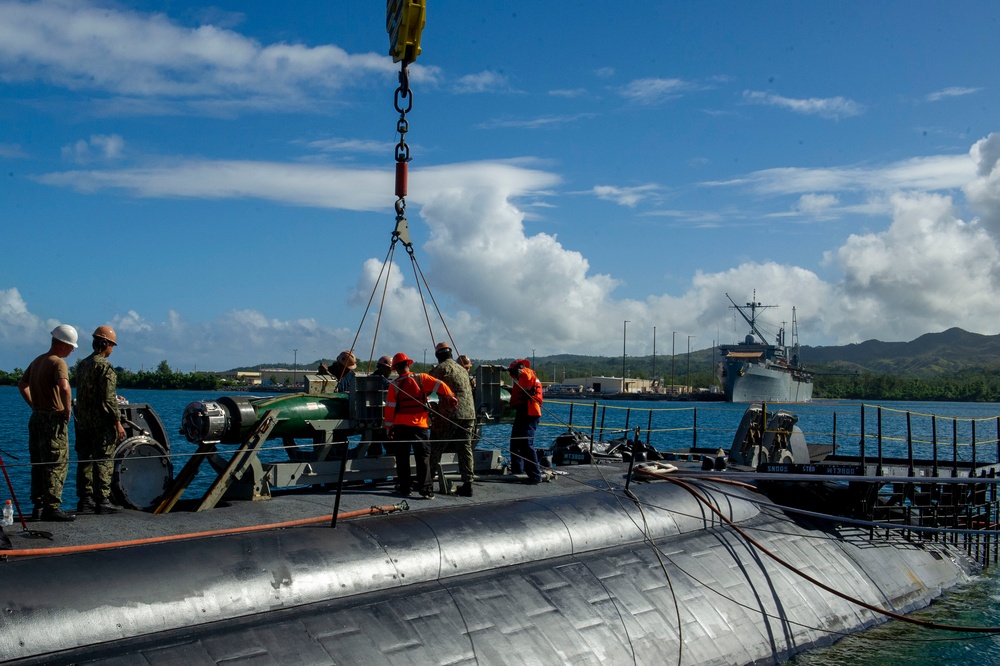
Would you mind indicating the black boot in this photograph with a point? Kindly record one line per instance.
(464, 490)
(56, 515)
(106, 506)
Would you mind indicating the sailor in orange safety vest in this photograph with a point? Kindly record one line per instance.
(407, 419)
(526, 401)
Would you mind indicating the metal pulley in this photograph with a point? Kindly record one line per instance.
(142, 468)
(142, 472)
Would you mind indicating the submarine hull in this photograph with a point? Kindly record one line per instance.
(560, 579)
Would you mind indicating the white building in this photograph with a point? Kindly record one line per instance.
(603, 384)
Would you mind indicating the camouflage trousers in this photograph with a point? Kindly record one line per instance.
(95, 450)
(48, 445)
(454, 435)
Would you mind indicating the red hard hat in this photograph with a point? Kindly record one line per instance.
(402, 358)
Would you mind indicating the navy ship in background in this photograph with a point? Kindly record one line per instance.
(757, 371)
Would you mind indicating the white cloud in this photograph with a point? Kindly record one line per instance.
(536, 123)
(518, 289)
(17, 324)
(816, 204)
(928, 271)
(299, 184)
(131, 322)
(505, 289)
(625, 196)
(338, 145)
(120, 52)
(929, 173)
(953, 91)
(99, 146)
(234, 338)
(983, 191)
(482, 82)
(826, 107)
(569, 94)
(654, 90)
(11, 151)
(322, 186)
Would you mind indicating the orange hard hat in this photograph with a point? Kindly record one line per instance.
(346, 359)
(401, 358)
(106, 333)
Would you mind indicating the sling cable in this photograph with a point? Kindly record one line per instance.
(404, 23)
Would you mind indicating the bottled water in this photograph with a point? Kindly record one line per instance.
(8, 514)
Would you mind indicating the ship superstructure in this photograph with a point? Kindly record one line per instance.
(756, 370)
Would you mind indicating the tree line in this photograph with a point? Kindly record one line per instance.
(979, 385)
(970, 385)
(163, 378)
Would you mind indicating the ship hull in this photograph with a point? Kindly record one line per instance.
(756, 383)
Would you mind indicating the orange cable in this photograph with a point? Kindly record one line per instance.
(192, 535)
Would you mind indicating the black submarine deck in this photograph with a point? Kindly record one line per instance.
(299, 504)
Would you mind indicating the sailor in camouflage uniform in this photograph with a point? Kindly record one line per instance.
(98, 425)
(453, 430)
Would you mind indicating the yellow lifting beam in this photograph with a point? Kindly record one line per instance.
(404, 21)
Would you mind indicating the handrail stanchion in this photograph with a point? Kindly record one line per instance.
(631, 462)
(340, 485)
(593, 425)
(972, 470)
(878, 471)
(834, 452)
(954, 445)
(694, 429)
(909, 444)
(864, 434)
(934, 446)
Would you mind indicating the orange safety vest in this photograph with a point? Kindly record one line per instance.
(406, 400)
(527, 392)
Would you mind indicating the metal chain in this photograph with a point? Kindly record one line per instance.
(403, 102)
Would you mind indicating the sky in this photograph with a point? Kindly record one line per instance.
(216, 181)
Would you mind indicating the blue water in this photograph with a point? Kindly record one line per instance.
(670, 426)
(14, 414)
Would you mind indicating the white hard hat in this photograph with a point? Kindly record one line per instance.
(65, 333)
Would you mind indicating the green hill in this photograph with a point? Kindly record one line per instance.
(930, 355)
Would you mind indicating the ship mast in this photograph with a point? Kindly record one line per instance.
(795, 338)
(753, 306)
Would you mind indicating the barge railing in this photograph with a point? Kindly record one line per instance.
(896, 472)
